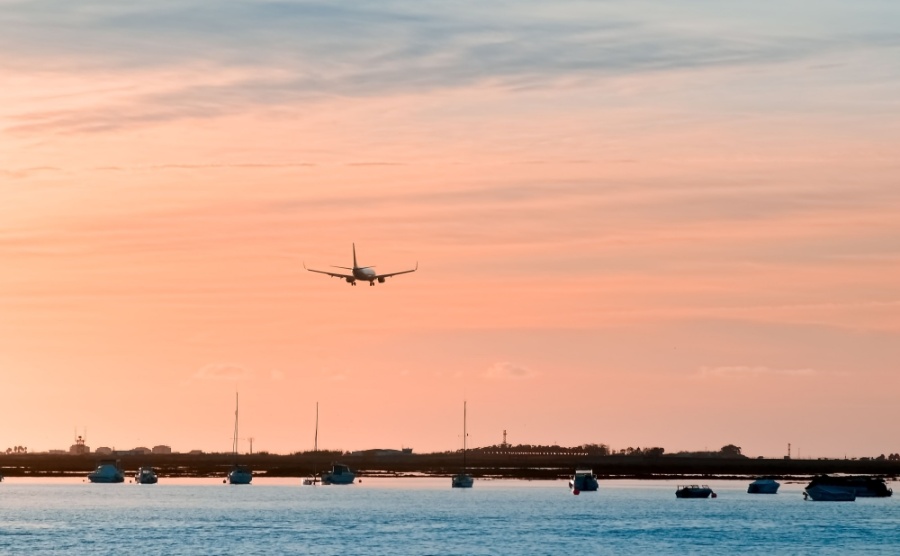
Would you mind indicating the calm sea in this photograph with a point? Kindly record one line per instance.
(425, 516)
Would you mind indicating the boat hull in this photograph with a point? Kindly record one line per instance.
(343, 479)
(145, 476)
(462, 481)
(823, 493)
(106, 480)
(339, 475)
(584, 483)
(107, 473)
(240, 477)
(862, 486)
(763, 486)
(693, 492)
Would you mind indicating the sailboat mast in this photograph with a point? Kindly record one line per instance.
(316, 442)
(465, 436)
(234, 442)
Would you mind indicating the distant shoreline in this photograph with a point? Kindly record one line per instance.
(491, 466)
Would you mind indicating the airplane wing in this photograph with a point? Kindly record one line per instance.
(388, 275)
(332, 274)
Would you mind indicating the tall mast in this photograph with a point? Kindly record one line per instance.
(464, 436)
(316, 444)
(234, 442)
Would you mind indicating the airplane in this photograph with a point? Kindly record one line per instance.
(357, 272)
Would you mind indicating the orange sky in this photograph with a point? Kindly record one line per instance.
(634, 226)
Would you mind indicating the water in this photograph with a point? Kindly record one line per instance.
(425, 516)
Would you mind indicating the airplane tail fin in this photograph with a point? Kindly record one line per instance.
(354, 256)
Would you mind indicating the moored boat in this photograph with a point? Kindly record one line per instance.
(463, 479)
(239, 474)
(583, 480)
(863, 486)
(826, 493)
(764, 485)
(146, 476)
(107, 471)
(340, 474)
(694, 491)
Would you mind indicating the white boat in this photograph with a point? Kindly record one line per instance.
(764, 485)
(239, 474)
(107, 472)
(583, 480)
(340, 474)
(146, 476)
(827, 493)
(463, 479)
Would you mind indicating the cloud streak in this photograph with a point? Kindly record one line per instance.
(749, 371)
(223, 371)
(505, 370)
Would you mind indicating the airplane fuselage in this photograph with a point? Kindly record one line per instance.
(367, 274)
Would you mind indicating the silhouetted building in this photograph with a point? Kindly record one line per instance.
(79, 448)
(161, 449)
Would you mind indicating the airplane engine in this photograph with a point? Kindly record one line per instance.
(349, 280)
(381, 280)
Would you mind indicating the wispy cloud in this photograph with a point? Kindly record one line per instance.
(509, 371)
(223, 371)
(742, 371)
(21, 173)
(289, 53)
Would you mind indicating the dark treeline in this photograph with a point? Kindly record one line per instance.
(535, 462)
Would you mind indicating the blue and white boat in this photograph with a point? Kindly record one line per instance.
(340, 474)
(107, 471)
(584, 480)
(764, 485)
(240, 475)
(829, 493)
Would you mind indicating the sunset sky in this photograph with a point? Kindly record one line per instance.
(636, 223)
